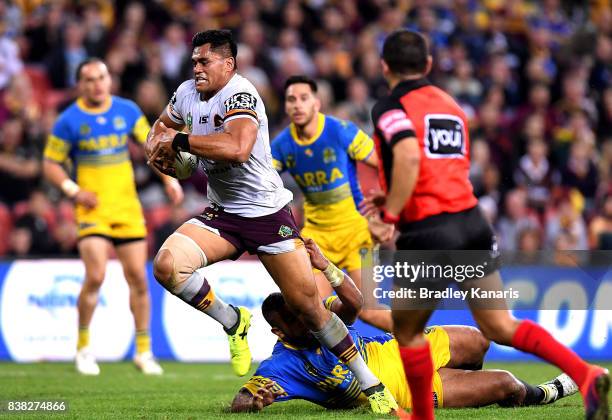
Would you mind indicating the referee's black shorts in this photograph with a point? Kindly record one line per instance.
(466, 230)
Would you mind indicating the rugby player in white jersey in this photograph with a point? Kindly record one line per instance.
(227, 128)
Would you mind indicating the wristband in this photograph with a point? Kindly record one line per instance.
(70, 188)
(388, 217)
(180, 143)
(334, 275)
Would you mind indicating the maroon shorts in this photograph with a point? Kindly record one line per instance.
(275, 233)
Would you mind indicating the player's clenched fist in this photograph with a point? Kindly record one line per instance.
(265, 396)
(158, 148)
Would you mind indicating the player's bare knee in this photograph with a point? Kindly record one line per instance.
(163, 267)
(511, 392)
(480, 342)
(93, 280)
(138, 287)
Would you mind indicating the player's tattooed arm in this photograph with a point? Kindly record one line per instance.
(244, 401)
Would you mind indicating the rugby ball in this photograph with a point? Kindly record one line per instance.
(185, 165)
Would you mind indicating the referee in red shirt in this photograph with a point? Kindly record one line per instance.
(422, 141)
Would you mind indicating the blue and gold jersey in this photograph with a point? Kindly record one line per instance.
(314, 374)
(317, 375)
(96, 140)
(325, 169)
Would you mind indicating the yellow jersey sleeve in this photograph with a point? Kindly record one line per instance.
(56, 149)
(278, 165)
(141, 129)
(361, 146)
(257, 382)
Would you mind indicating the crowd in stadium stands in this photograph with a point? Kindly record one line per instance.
(533, 77)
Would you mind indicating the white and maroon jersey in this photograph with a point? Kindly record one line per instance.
(249, 189)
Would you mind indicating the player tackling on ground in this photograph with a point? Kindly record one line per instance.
(228, 129)
(300, 369)
(93, 132)
(422, 142)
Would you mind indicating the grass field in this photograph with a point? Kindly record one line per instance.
(198, 391)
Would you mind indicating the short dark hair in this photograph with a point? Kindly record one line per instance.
(271, 306)
(300, 78)
(84, 63)
(221, 41)
(406, 52)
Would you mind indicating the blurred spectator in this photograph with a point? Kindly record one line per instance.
(463, 86)
(552, 18)
(580, 171)
(175, 52)
(480, 156)
(491, 129)
(573, 102)
(151, 98)
(10, 19)
(20, 242)
(565, 228)
(44, 31)
(538, 103)
(130, 59)
(600, 228)
(491, 185)
(96, 35)
(529, 240)
(10, 63)
(535, 174)
(36, 221)
(517, 218)
(532, 77)
(359, 104)
(66, 238)
(601, 73)
(19, 163)
(604, 129)
(66, 57)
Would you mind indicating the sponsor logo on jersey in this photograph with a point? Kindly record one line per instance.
(86, 225)
(329, 155)
(101, 120)
(190, 121)
(308, 152)
(84, 129)
(285, 231)
(393, 122)
(444, 136)
(242, 100)
(119, 123)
